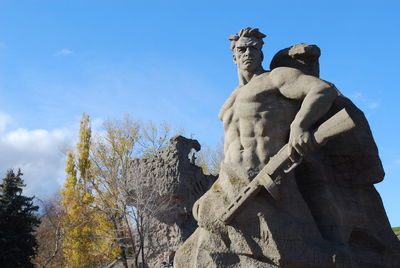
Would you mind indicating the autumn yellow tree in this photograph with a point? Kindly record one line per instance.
(111, 155)
(49, 234)
(209, 159)
(88, 237)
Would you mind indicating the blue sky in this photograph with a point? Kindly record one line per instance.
(170, 60)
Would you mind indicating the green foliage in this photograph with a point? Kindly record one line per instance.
(17, 223)
(396, 230)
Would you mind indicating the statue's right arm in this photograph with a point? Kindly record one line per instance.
(317, 97)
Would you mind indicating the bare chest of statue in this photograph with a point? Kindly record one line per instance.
(256, 120)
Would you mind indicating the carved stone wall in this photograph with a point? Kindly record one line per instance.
(178, 179)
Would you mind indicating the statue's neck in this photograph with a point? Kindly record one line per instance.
(245, 76)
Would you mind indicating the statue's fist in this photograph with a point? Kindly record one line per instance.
(300, 142)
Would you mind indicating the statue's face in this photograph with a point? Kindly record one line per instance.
(247, 53)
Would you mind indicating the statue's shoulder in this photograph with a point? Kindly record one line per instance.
(284, 71)
(228, 103)
(281, 75)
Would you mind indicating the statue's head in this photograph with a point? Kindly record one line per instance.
(246, 47)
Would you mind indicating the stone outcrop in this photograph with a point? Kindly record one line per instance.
(179, 180)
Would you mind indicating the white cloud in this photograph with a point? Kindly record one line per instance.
(38, 153)
(373, 105)
(63, 52)
(365, 101)
(356, 95)
(4, 121)
(97, 124)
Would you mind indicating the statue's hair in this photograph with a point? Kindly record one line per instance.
(246, 32)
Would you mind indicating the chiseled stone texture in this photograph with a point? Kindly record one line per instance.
(179, 180)
(330, 214)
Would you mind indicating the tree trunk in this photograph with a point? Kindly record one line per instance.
(137, 258)
(123, 255)
(142, 246)
(130, 235)
(142, 240)
(121, 247)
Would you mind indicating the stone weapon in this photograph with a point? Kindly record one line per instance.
(281, 163)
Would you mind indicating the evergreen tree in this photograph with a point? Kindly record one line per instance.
(17, 223)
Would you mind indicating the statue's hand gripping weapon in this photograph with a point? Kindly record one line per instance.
(281, 163)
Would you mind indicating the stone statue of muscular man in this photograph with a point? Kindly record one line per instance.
(266, 111)
(265, 107)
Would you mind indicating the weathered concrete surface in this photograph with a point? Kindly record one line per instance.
(301, 56)
(179, 180)
(330, 214)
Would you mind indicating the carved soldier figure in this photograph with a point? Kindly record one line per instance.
(314, 224)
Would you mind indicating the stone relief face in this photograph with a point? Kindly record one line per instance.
(247, 54)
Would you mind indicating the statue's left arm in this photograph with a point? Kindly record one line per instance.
(317, 97)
